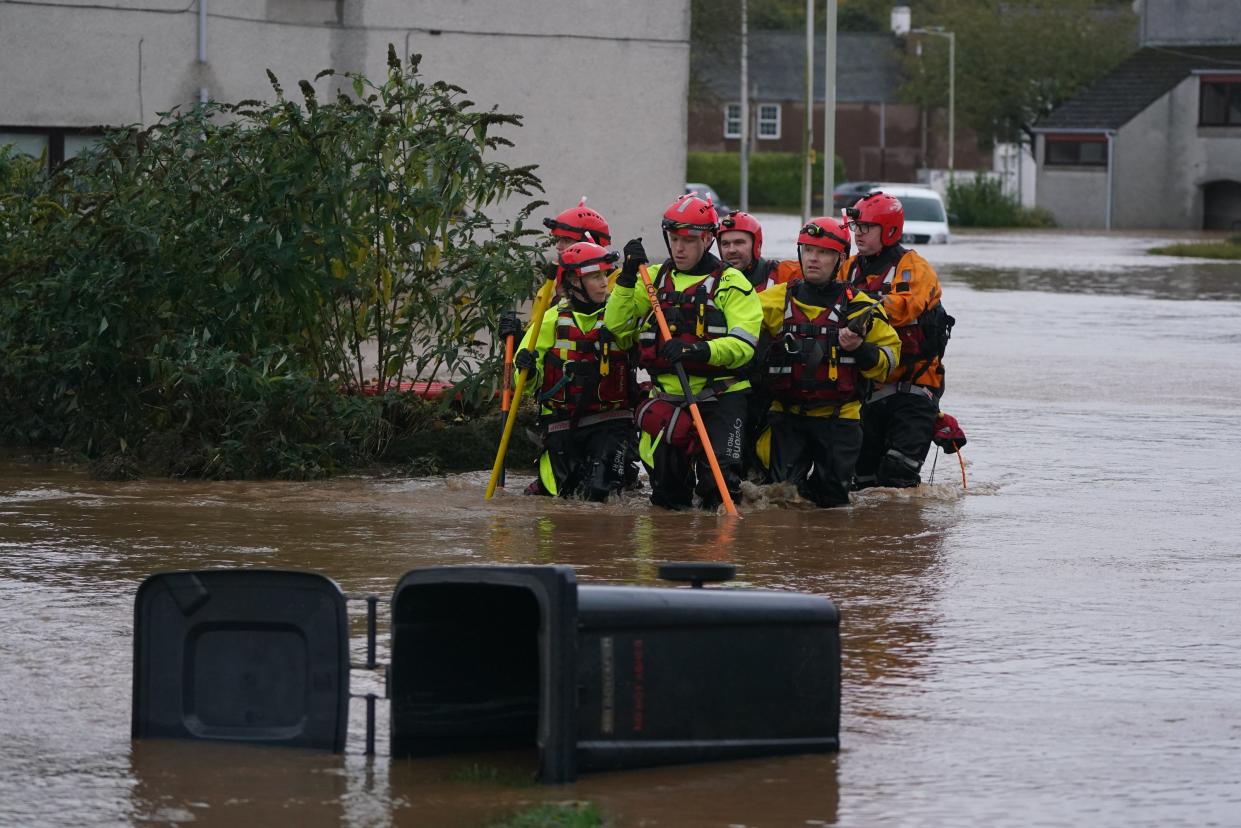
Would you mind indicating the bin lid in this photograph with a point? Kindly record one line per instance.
(241, 655)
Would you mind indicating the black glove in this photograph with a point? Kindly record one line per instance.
(635, 256)
(674, 350)
(510, 325)
(524, 361)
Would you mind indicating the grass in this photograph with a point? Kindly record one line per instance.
(554, 815)
(1229, 248)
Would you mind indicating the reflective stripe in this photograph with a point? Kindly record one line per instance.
(563, 345)
(905, 459)
(592, 419)
(744, 336)
(890, 354)
(887, 390)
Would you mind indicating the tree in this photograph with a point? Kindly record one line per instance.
(214, 282)
(1015, 61)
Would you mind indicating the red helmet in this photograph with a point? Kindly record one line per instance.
(583, 258)
(576, 222)
(690, 214)
(746, 223)
(828, 232)
(884, 210)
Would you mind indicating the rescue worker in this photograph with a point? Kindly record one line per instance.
(741, 244)
(828, 339)
(899, 414)
(582, 374)
(572, 226)
(714, 316)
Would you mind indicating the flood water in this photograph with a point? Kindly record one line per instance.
(1057, 644)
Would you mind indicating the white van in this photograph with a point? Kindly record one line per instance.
(926, 220)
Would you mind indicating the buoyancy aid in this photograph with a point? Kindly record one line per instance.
(922, 338)
(692, 316)
(767, 273)
(806, 363)
(584, 372)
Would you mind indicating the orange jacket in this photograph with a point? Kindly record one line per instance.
(906, 290)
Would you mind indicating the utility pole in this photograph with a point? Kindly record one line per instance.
(829, 108)
(808, 130)
(745, 110)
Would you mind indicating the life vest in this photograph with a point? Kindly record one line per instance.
(764, 275)
(584, 372)
(926, 337)
(806, 363)
(692, 316)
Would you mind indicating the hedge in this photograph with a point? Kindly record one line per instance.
(775, 177)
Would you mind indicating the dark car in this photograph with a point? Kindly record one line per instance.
(706, 190)
(847, 194)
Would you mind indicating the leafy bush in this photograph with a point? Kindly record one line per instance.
(775, 177)
(206, 288)
(983, 203)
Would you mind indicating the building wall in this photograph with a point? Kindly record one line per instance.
(1077, 197)
(70, 66)
(1190, 22)
(885, 142)
(1163, 160)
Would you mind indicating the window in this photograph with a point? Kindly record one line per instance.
(56, 144)
(769, 121)
(732, 121)
(1076, 150)
(1219, 101)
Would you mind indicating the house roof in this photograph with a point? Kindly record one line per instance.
(867, 67)
(1144, 77)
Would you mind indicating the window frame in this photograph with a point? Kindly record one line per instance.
(758, 131)
(728, 120)
(1230, 83)
(55, 139)
(1078, 140)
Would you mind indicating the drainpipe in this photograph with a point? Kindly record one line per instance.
(1111, 171)
(202, 45)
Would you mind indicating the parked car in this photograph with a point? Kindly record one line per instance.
(926, 220)
(707, 190)
(847, 194)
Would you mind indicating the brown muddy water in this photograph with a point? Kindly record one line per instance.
(1059, 644)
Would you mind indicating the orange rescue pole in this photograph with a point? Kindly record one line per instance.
(693, 406)
(961, 460)
(542, 301)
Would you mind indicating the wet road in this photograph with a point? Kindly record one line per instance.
(1056, 645)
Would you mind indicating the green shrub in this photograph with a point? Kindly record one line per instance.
(983, 203)
(775, 177)
(202, 291)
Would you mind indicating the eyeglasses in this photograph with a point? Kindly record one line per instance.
(859, 227)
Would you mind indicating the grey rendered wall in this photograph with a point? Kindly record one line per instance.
(1076, 197)
(602, 85)
(1164, 159)
(1187, 22)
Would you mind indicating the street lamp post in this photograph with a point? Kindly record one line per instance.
(900, 28)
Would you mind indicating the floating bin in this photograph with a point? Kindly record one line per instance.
(241, 655)
(606, 677)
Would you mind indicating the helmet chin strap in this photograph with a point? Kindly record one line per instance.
(579, 298)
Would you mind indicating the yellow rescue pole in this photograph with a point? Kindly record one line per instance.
(541, 302)
(685, 389)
